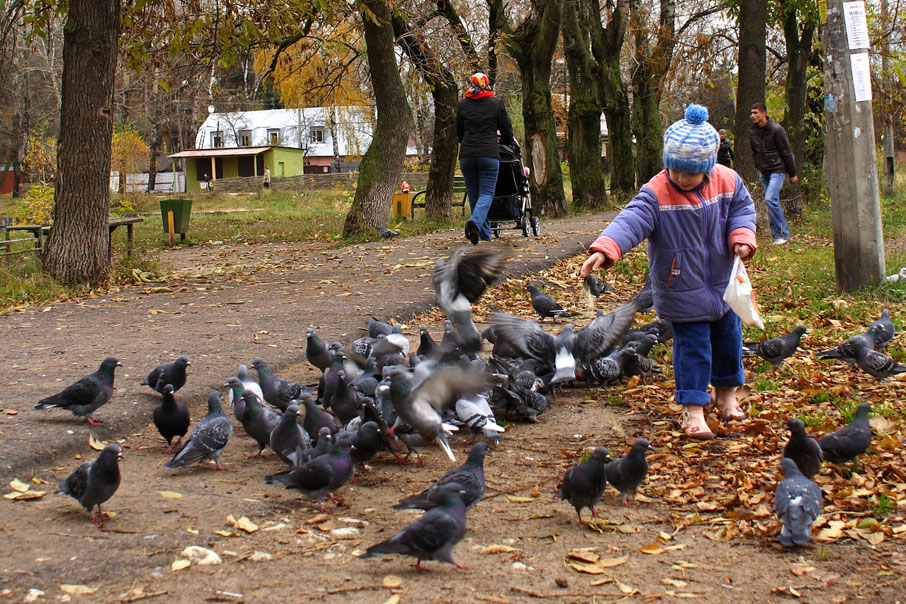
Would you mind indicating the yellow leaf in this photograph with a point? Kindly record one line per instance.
(192, 531)
(77, 589)
(611, 562)
(392, 581)
(223, 533)
(94, 443)
(244, 524)
(170, 494)
(498, 549)
(652, 549)
(17, 485)
(873, 538)
(25, 496)
(516, 499)
(674, 582)
(586, 567)
(601, 582)
(793, 592)
(584, 555)
(180, 564)
(394, 599)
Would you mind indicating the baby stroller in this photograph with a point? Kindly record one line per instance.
(512, 202)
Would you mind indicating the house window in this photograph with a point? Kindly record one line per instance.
(273, 136)
(217, 139)
(317, 135)
(245, 138)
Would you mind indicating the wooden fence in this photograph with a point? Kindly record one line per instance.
(310, 182)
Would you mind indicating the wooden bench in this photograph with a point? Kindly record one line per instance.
(459, 187)
(37, 232)
(129, 221)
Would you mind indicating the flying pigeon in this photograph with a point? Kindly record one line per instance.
(544, 305)
(469, 476)
(877, 363)
(433, 535)
(583, 484)
(277, 391)
(884, 330)
(87, 394)
(95, 482)
(776, 350)
(850, 441)
(596, 287)
(461, 280)
(258, 421)
(628, 472)
(288, 439)
(846, 351)
(316, 351)
(318, 477)
(171, 418)
(803, 449)
(169, 373)
(797, 502)
(209, 438)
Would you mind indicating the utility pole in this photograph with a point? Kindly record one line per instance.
(852, 177)
(887, 133)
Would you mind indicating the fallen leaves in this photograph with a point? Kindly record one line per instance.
(243, 524)
(21, 491)
(77, 590)
(586, 560)
(170, 494)
(94, 443)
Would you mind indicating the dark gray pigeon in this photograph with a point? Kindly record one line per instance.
(95, 482)
(877, 363)
(210, 437)
(850, 441)
(797, 502)
(288, 440)
(583, 484)
(645, 297)
(318, 477)
(469, 476)
(317, 418)
(596, 287)
(426, 344)
(377, 328)
(87, 394)
(277, 391)
(775, 350)
(544, 305)
(364, 441)
(258, 421)
(171, 418)
(316, 351)
(433, 535)
(628, 472)
(846, 351)
(169, 373)
(803, 449)
(459, 282)
(883, 330)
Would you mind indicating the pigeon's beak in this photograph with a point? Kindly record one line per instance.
(118, 364)
(650, 448)
(119, 455)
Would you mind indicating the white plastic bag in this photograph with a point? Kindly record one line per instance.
(740, 297)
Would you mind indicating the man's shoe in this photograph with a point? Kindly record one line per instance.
(780, 241)
(472, 232)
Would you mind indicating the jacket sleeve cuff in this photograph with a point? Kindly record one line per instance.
(608, 247)
(743, 236)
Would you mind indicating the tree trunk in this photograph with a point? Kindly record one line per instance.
(154, 149)
(584, 122)
(382, 164)
(750, 85)
(78, 247)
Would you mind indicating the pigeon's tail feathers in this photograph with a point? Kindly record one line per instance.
(46, 403)
(281, 478)
(390, 546)
(833, 353)
(442, 441)
(413, 502)
(185, 457)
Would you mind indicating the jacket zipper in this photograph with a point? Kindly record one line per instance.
(708, 258)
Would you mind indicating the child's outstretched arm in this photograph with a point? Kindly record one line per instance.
(591, 264)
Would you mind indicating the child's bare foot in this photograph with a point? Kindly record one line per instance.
(725, 399)
(694, 423)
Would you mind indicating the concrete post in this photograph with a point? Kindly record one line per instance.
(852, 177)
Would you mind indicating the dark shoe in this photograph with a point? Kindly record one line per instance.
(472, 232)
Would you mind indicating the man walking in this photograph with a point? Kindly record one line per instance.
(774, 160)
(725, 150)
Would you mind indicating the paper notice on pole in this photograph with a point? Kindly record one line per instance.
(861, 76)
(856, 25)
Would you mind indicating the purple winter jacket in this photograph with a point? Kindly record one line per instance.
(690, 235)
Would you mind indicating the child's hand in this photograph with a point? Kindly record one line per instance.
(591, 264)
(742, 250)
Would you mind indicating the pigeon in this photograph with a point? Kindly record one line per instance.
(248, 383)
(877, 363)
(803, 449)
(596, 287)
(377, 328)
(850, 441)
(474, 411)
(171, 418)
(234, 395)
(544, 305)
(847, 350)
(608, 370)
(258, 421)
(387, 233)
(469, 476)
(433, 535)
(797, 502)
(343, 402)
(288, 439)
(209, 438)
(318, 477)
(884, 330)
(460, 281)
(645, 297)
(169, 373)
(776, 350)
(87, 394)
(664, 329)
(277, 391)
(583, 484)
(426, 345)
(316, 351)
(95, 482)
(628, 472)
(364, 443)
(317, 418)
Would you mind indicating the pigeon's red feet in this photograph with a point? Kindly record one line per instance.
(93, 421)
(99, 516)
(460, 566)
(256, 455)
(594, 513)
(418, 566)
(217, 466)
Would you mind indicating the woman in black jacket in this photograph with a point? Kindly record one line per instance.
(480, 118)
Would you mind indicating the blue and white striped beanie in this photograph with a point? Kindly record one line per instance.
(690, 145)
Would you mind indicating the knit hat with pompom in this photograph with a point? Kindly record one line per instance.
(690, 145)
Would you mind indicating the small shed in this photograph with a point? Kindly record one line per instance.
(202, 164)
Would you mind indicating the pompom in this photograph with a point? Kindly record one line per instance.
(696, 114)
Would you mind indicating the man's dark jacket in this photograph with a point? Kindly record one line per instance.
(771, 149)
(725, 153)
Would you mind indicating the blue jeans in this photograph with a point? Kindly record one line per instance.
(772, 183)
(480, 176)
(706, 352)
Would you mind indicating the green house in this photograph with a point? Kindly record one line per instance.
(200, 164)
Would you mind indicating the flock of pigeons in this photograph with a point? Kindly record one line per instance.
(376, 394)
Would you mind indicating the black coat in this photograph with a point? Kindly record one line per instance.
(771, 149)
(725, 153)
(477, 123)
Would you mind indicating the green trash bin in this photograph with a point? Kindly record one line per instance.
(181, 209)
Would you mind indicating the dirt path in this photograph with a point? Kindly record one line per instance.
(228, 305)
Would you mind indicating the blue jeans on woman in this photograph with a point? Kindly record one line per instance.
(480, 177)
(772, 183)
(706, 352)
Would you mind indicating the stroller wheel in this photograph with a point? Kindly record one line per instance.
(524, 225)
(536, 226)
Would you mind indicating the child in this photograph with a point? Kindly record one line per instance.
(696, 215)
